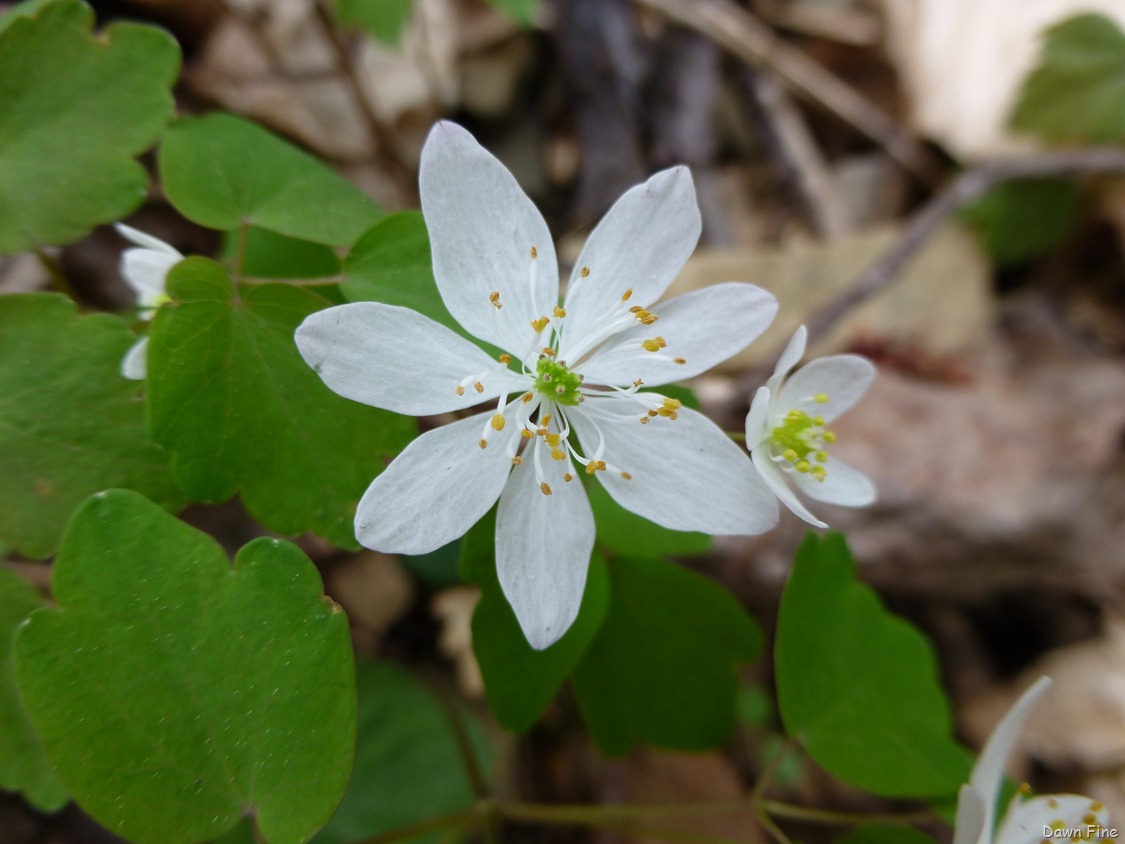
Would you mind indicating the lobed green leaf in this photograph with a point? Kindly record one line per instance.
(384, 20)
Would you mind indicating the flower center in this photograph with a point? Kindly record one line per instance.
(555, 380)
(800, 441)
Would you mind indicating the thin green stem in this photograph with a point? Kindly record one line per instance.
(765, 778)
(404, 833)
(317, 281)
(600, 815)
(240, 250)
(477, 780)
(737, 436)
(834, 818)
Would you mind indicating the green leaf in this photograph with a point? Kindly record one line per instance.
(271, 255)
(391, 263)
(230, 395)
(23, 766)
(522, 12)
(224, 172)
(1021, 220)
(623, 532)
(70, 425)
(662, 668)
(408, 767)
(1077, 90)
(174, 694)
(858, 686)
(383, 19)
(886, 834)
(75, 109)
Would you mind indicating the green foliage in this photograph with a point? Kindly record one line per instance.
(623, 532)
(267, 254)
(662, 666)
(522, 12)
(521, 681)
(23, 766)
(70, 425)
(224, 172)
(383, 19)
(1077, 90)
(408, 766)
(75, 109)
(886, 834)
(231, 397)
(1020, 220)
(858, 686)
(174, 694)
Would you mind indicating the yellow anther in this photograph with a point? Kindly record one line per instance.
(1096, 806)
(526, 397)
(517, 460)
(568, 477)
(626, 476)
(494, 298)
(548, 351)
(1088, 818)
(478, 386)
(534, 255)
(660, 340)
(822, 456)
(1058, 824)
(545, 488)
(673, 404)
(651, 346)
(505, 358)
(559, 312)
(819, 473)
(829, 437)
(595, 466)
(796, 415)
(652, 413)
(680, 361)
(818, 420)
(553, 440)
(584, 272)
(803, 466)
(483, 443)
(546, 420)
(636, 309)
(789, 454)
(821, 398)
(460, 390)
(627, 295)
(540, 324)
(668, 414)
(497, 422)
(541, 432)
(638, 383)
(526, 434)
(644, 420)
(1024, 789)
(558, 454)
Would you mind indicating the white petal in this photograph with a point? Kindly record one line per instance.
(756, 419)
(146, 241)
(482, 229)
(1025, 820)
(437, 489)
(146, 272)
(775, 479)
(842, 485)
(974, 817)
(989, 769)
(790, 357)
(397, 359)
(842, 378)
(686, 473)
(641, 244)
(702, 328)
(134, 365)
(543, 545)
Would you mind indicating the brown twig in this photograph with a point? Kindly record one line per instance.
(743, 35)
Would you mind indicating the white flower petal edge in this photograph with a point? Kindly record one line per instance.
(487, 238)
(1025, 820)
(543, 545)
(424, 367)
(436, 490)
(145, 269)
(786, 429)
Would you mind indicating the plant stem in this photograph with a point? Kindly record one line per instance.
(830, 817)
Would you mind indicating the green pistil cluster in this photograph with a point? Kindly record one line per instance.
(800, 440)
(555, 380)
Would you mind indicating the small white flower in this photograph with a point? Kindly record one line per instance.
(786, 433)
(566, 388)
(145, 269)
(1066, 816)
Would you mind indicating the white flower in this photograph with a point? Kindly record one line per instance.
(1026, 821)
(144, 268)
(566, 389)
(786, 433)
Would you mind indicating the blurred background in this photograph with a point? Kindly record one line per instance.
(854, 157)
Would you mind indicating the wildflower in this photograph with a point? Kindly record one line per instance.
(566, 391)
(145, 269)
(1064, 816)
(786, 428)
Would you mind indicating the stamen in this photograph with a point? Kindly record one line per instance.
(478, 386)
(497, 422)
(534, 252)
(526, 434)
(627, 295)
(821, 398)
(584, 272)
(526, 397)
(558, 312)
(505, 359)
(494, 298)
(626, 476)
(548, 351)
(540, 324)
(460, 390)
(568, 477)
(679, 361)
(545, 488)
(483, 443)
(654, 344)
(517, 460)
